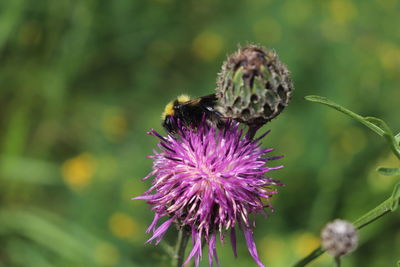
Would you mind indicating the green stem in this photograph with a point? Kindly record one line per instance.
(337, 261)
(183, 238)
(310, 257)
(252, 131)
(384, 208)
(374, 214)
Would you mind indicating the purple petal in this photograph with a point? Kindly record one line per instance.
(251, 245)
(261, 136)
(233, 241)
(212, 248)
(153, 223)
(148, 197)
(160, 231)
(196, 249)
(212, 252)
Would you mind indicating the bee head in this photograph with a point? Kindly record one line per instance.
(170, 108)
(170, 124)
(171, 111)
(168, 111)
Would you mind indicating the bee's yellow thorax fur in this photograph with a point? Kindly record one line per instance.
(168, 110)
(183, 98)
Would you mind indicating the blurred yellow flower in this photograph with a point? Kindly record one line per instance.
(207, 45)
(389, 55)
(106, 254)
(304, 243)
(122, 225)
(335, 27)
(342, 11)
(77, 172)
(273, 249)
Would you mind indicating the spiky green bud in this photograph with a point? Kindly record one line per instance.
(253, 86)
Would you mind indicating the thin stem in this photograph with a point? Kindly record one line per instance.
(168, 249)
(337, 261)
(384, 208)
(183, 238)
(252, 131)
(312, 256)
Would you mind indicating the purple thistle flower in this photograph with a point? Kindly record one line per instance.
(208, 182)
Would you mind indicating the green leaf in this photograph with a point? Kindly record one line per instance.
(387, 206)
(388, 134)
(377, 125)
(46, 229)
(29, 170)
(329, 103)
(312, 256)
(395, 197)
(21, 252)
(388, 171)
(397, 138)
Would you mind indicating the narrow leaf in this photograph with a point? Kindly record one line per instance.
(47, 229)
(385, 207)
(329, 103)
(396, 197)
(388, 171)
(387, 134)
(377, 125)
(312, 256)
(380, 123)
(397, 138)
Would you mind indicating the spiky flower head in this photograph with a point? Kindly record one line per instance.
(208, 182)
(253, 86)
(339, 238)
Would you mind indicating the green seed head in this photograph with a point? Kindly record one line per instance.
(253, 86)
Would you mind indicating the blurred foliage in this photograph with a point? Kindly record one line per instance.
(83, 81)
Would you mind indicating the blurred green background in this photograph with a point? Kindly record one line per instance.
(83, 81)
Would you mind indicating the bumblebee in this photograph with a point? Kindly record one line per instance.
(190, 112)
